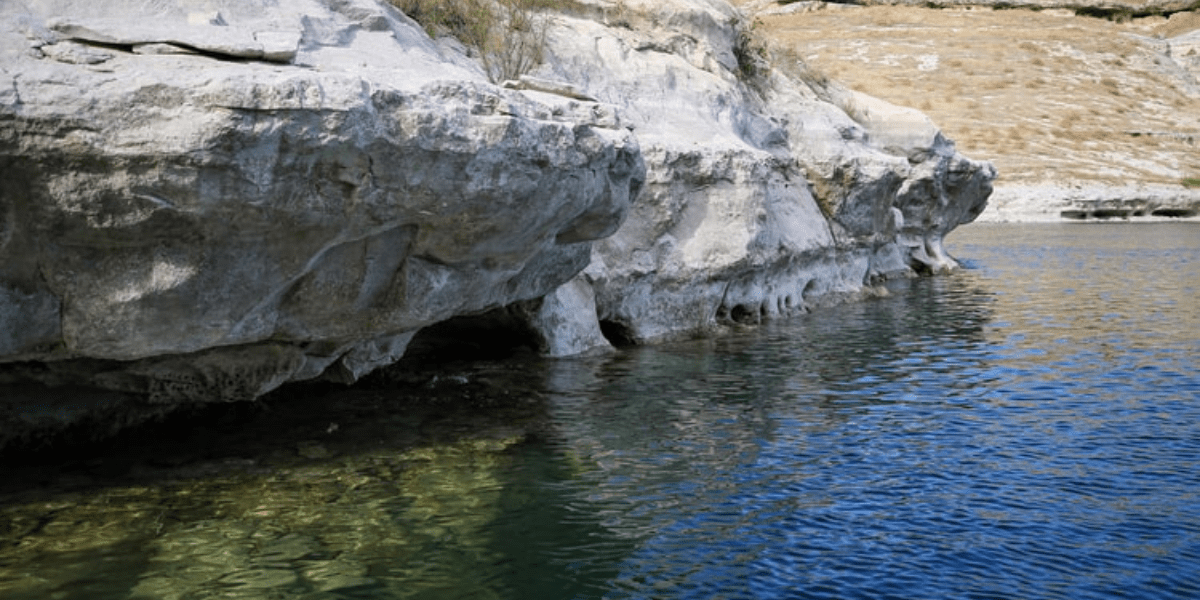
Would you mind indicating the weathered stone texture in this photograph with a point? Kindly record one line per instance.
(764, 194)
(205, 205)
(229, 225)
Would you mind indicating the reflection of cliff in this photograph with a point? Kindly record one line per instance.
(727, 438)
(1073, 290)
(738, 385)
(691, 389)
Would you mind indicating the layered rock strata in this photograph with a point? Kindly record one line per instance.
(204, 205)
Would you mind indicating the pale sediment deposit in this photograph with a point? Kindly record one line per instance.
(204, 205)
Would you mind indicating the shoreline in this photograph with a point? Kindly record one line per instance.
(1076, 202)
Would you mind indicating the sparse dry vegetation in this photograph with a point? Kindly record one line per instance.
(1055, 101)
(789, 61)
(750, 49)
(508, 35)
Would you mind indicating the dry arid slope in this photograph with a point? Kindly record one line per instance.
(1057, 100)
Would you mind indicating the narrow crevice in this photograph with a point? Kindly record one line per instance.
(127, 48)
(188, 48)
(618, 334)
(920, 267)
(1180, 213)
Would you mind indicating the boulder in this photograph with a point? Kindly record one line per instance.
(293, 196)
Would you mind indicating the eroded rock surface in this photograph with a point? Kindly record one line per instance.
(213, 224)
(766, 193)
(205, 205)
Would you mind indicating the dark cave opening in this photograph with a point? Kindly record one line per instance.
(618, 334)
(496, 334)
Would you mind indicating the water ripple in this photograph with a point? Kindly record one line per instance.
(1034, 442)
(1026, 428)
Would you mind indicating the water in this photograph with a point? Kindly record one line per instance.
(1026, 428)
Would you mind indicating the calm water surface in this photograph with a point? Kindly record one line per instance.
(1026, 428)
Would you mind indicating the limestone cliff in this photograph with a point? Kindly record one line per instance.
(203, 200)
(765, 193)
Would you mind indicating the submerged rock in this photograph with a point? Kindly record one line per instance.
(203, 206)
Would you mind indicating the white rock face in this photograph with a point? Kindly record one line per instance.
(1076, 201)
(202, 205)
(762, 197)
(297, 193)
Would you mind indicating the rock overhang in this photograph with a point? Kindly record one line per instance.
(239, 222)
(164, 205)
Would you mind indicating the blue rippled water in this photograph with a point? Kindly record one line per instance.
(1027, 428)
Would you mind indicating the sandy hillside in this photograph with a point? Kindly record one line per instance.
(1048, 96)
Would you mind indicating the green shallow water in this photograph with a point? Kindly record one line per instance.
(396, 492)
